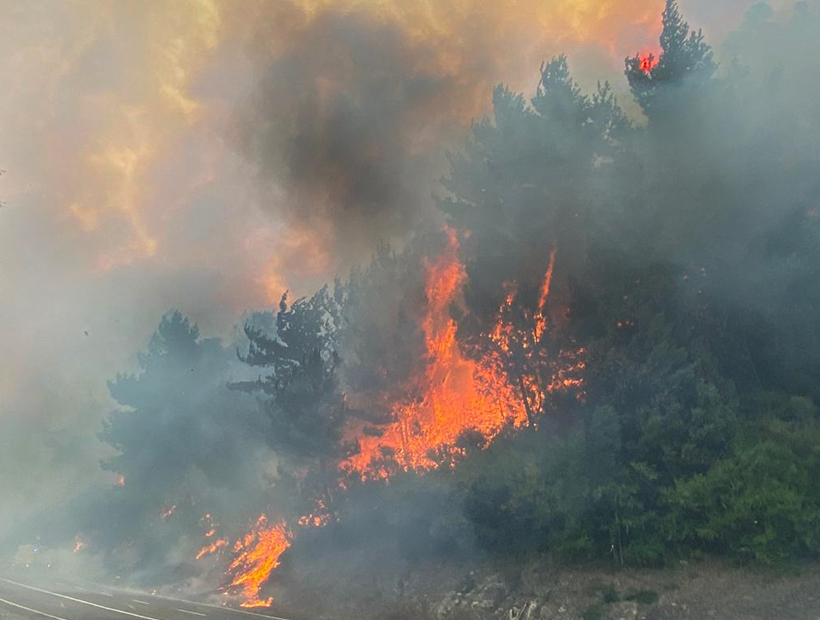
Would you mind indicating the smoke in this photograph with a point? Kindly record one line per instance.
(355, 104)
(124, 195)
(346, 123)
(208, 155)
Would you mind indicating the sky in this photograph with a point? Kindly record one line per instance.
(205, 156)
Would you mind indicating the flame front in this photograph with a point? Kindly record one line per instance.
(213, 547)
(456, 394)
(450, 394)
(259, 552)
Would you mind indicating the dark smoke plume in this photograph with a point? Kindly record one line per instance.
(346, 125)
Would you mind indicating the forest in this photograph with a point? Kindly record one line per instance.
(605, 347)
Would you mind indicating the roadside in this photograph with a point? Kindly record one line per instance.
(537, 591)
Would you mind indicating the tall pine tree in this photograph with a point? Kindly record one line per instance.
(685, 58)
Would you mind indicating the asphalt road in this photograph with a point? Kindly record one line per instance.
(63, 601)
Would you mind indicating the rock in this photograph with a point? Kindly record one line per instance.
(528, 611)
(489, 594)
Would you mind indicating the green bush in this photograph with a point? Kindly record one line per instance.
(761, 504)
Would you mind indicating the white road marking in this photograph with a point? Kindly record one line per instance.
(30, 610)
(193, 613)
(79, 600)
(223, 608)
(140, 602)
(235, 610)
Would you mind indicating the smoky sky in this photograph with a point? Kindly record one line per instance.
(349, 118)
(344, 122)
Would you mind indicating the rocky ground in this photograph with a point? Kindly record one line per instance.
(533, 591)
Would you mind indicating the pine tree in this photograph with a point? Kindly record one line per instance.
(182, 441)
(300, 399)
(685, 59)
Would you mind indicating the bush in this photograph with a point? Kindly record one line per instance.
(760, 504)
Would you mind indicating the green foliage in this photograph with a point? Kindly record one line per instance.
(695, 430)
(653, 464)
(304, 409)
(760, 504)
(181, 440)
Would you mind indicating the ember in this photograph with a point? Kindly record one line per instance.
(648, 62)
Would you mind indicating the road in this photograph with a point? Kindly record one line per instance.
(63, 601)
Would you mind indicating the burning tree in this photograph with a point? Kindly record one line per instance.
(686, 59)
(529, 223)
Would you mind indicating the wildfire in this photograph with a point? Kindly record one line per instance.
(167, 511)
(456, 393)
(453, 393)
(318, 518)
(259, 552)
(213, 547)
(541, 316)
(647, 62)
(120, 481)
(79, 543)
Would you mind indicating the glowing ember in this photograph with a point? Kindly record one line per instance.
(647, 62)
(319, 518)
(120, 481)
(259, 553)
(455, 394)
(79, 543)
(212, 547)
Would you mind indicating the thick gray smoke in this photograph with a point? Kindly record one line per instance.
(348, 123)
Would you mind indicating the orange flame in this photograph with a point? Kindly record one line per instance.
(318, 518)
(212, 548)
(647, 62)
(455, 393)
(541, 317)
(259, 553)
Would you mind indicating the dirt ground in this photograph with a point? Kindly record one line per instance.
(703, 590)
